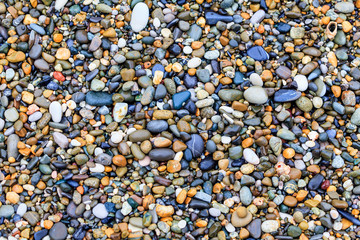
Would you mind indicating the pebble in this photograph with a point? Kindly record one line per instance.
(250, 156)
(258, 53)
(286, 95)
(100, 211)
(120, 111)
(11, 114)
(344, 7)
(139, 17)
(60, 139)
(269, 226)
(55, 111)
(302, 82)
(58, 231)
(256, 95)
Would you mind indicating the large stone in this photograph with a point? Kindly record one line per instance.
(139, 17)
(256, 95)
(345, 7)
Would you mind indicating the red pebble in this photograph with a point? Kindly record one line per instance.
(325, 185)
(59, 76)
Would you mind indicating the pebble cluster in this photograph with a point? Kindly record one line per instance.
(232, 119)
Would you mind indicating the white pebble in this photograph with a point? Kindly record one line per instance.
(156, 23)
(182, 224)
(139, 17)
(100, 211)
(230, 228)
(187, 50)
(99, 168)
(334, 214)
(121, 43)
(225, 139)
(256, 80)
(302, 82)
(55, 111)
(250, 156)
(21, 209)
(166, 32)
(194, 62)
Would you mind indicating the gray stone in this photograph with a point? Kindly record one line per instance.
(32, 217)
(61, 140)
(345, 7)
(245, 196)
(12, 150)
(256, 95)
(58, 231)
(195, 32)
(230, 94)
(6, 211)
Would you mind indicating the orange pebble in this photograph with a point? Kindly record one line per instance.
(261, 29)
(21, 145)
(247, 142)
(58, 37)
(11, 160)
(288, 153)
(259, 42)
(192, 71)
(336, 90)
(119, 160)
(48, 224)
(26, 67)
(162, 168)
(17, 188)
(80, 189)
(201, 223)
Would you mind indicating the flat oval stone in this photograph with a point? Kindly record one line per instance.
(312, 51)
(257, 17)
(345, 7)
(269, 226)
(315, 182)
(283, 27)
(98, 98)
(207, 164)
(55, 111)
(250, 156)
(157, 126)
(256, 95)
(139, 17)
(302, 82)
(258, 53)
(245, 196)
(286, 95)
(230, 94)
(161, 154)
(140, 135)
(283, 72)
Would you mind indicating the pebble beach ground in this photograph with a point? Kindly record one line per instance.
(182, 119)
